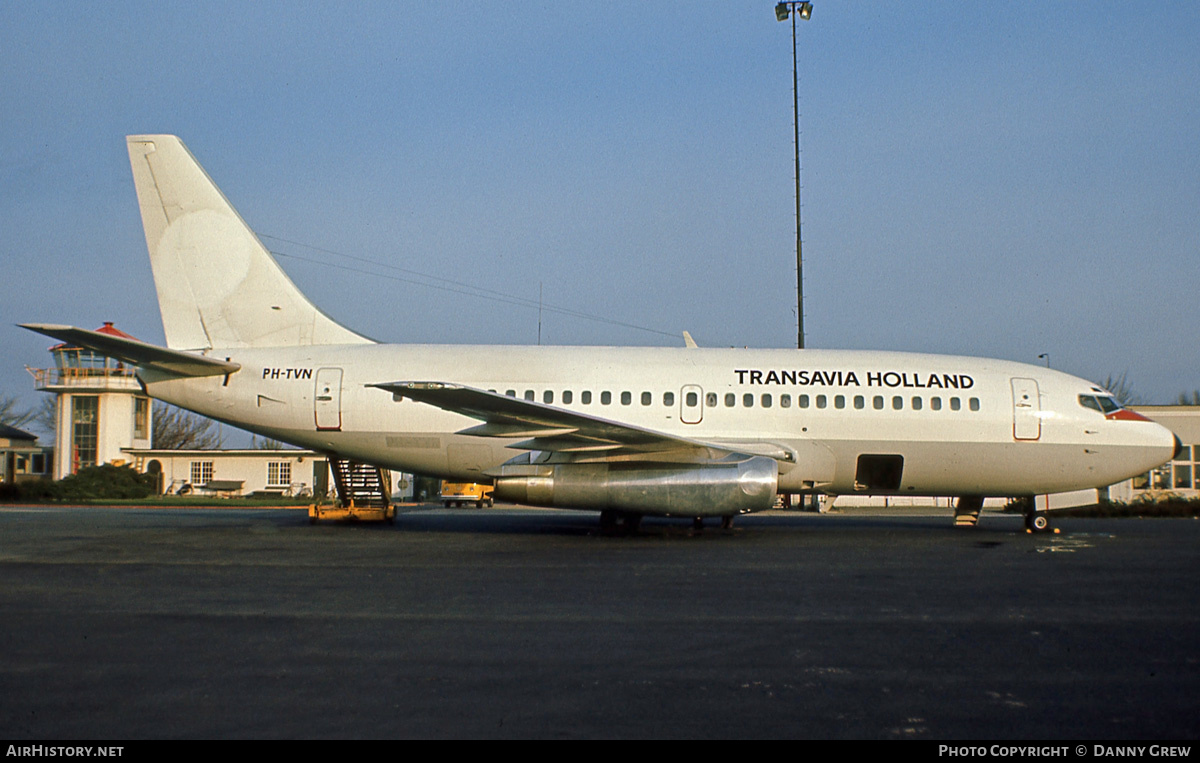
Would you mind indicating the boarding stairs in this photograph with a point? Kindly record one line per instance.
(363, 492)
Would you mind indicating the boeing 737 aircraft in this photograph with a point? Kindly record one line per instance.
(687, 432)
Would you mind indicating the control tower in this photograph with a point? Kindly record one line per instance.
(100, 407)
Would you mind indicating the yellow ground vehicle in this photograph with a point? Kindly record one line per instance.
(462, 493)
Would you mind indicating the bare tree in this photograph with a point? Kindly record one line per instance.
(177, 429)
(13, 415)
(266, 443)
(1189, 399)
(1121, 388)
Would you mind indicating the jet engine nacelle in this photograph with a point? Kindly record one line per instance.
(721, 488)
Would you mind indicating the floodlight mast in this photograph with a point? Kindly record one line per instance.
(784, 10)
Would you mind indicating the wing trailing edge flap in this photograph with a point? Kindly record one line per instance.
(579, 436)
(136, 353)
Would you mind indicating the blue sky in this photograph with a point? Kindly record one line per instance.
(997, 179)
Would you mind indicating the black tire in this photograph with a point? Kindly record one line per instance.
(1038, 522)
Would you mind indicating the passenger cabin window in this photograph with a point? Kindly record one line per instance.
(860, 402)
(935, 403)
(839, 401)
(955, 404)
(585, 397)
(605, 398)
(626, 398)
(710, 399)
(691, 400)
(730, 400)
(669, 399)
(785, 401)
(766, 401)
(529, 395)
(548, 397)
(917, 403)
(748, 400)
(821, 402)
(647, 398)
(568, 396)
(974, 403)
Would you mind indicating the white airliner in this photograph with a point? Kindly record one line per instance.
(687, 432)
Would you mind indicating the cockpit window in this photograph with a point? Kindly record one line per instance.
(1101, 403)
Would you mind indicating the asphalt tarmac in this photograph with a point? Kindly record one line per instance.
(128, 624)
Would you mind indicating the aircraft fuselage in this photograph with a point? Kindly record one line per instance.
(959, 425)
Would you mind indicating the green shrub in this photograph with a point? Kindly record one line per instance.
(104, 481)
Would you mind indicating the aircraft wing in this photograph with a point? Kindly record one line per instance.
(549, 428)
(137, 353)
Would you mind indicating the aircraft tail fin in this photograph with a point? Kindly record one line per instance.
(218, 286)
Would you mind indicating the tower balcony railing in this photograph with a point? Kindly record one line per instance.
(108, 377)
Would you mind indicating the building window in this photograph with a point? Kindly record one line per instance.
(141, 418)
(85, 433)
(1183, 476)
(202, 472)
(279, 473)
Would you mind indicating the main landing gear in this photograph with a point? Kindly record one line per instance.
(614, 522)
(624, 523)
(698, 523)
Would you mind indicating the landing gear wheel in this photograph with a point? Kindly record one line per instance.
(1037, 522)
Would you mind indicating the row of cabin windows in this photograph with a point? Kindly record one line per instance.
(765, 400)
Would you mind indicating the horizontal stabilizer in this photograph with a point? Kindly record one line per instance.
(137, 353)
